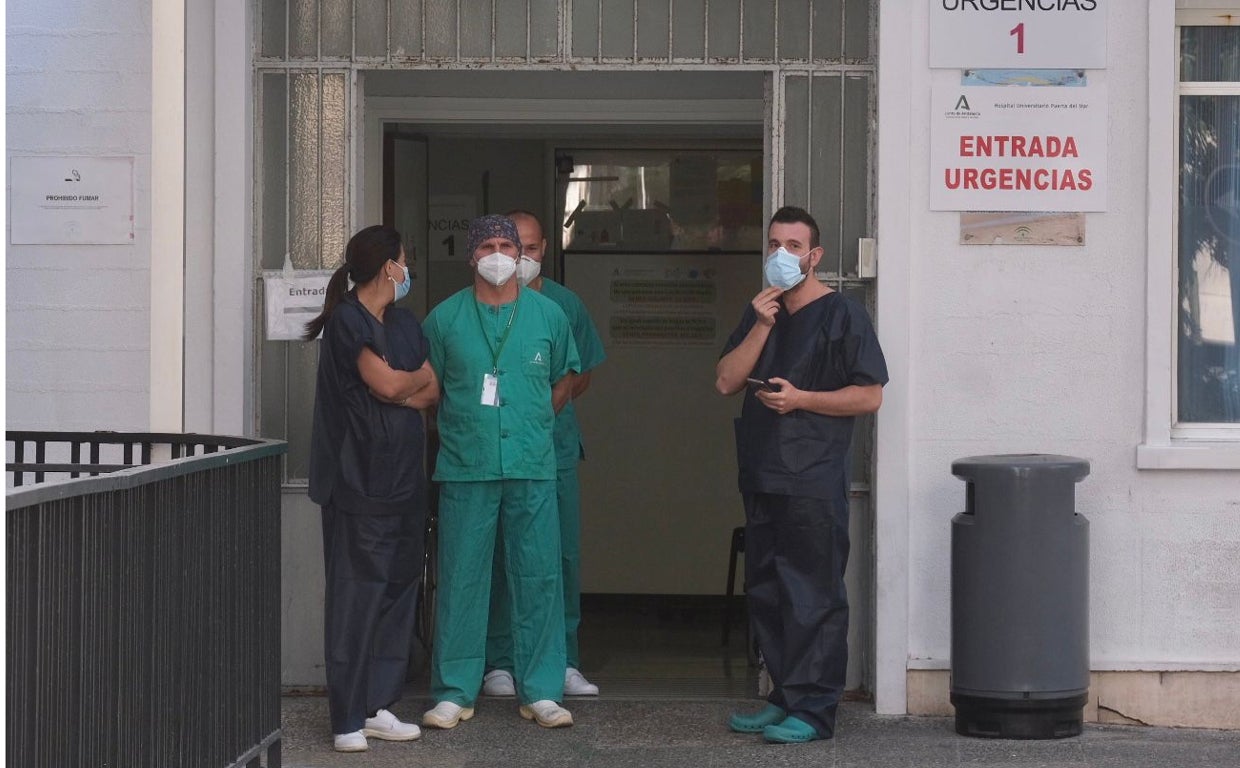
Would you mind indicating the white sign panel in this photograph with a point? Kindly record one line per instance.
(1018, 148)
(293, 299)
(1064, 34)
(447, 224)
(70, 200)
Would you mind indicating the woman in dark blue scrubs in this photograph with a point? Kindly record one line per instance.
(366, 471)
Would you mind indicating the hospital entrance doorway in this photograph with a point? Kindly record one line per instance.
(664, 247)
(662, 241)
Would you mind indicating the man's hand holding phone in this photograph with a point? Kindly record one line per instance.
(761, 385)
(777, 394)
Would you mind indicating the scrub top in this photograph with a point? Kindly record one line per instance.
(366, 455)
(511, 440)
(827, 345)
(568, 445)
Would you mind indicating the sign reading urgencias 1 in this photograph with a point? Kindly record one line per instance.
(1028, 34)
(1018, 148)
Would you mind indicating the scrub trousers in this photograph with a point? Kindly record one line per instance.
(373, 565)
(469, 515)
(796, 549)
(499, 627)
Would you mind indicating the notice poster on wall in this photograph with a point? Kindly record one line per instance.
(671, 305)
(66, 200)
(292, 298)
(1018, 149)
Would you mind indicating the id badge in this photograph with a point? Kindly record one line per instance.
(490, 389)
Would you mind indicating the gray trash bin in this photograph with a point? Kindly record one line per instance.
(1020, 598)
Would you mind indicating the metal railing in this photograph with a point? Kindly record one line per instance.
(143, 604)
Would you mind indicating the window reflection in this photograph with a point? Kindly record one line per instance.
(666, 201)
(1209, 243)
(1209, 54)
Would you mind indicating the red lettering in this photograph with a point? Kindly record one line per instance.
(1019, 179)
(1018, 146)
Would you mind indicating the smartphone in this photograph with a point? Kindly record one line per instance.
(760, 384)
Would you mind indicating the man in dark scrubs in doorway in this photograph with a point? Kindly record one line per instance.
(809, 362)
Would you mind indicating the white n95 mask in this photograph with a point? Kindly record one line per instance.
(527, 270)
(496, 268)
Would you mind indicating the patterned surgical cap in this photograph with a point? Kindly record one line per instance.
(486, 227)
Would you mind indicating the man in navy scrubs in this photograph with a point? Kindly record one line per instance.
(809, 362)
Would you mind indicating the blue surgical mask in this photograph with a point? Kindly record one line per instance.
(783, 269)
(402, 288)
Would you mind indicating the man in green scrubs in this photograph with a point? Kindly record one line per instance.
(568, 452)
(505, 358)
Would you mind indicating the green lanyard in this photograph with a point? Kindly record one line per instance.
(495, 351)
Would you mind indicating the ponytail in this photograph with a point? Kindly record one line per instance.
(337, 287)
(364, 256)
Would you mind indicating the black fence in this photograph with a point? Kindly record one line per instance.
(143, 604)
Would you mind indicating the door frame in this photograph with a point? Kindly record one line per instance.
(371, 113)
(375, 112)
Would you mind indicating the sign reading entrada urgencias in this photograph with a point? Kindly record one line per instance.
(1018, 148)
(995, 34)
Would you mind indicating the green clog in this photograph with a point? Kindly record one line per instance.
(792, 730)
(755, 722)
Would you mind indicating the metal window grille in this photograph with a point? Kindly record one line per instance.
(821, 101)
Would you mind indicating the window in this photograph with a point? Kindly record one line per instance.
(1193, 337)
(1208, 224)
(662, 201)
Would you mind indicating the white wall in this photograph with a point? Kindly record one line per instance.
(78, 336)
(1018, 349)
